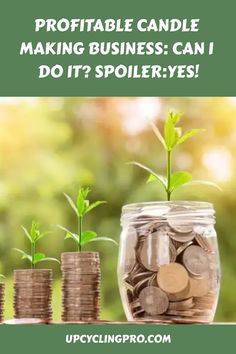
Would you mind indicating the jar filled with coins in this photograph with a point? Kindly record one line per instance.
(168, 265)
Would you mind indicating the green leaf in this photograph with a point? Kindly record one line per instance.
(38, 257)
(50, 259)
(87, 236)
(26, 233)
(202, 182)
(160, 178)
(68, 232)
(24, 255)
(43, 235)
(169, 133)
(72, 204)
(104, 239)
(172, 134)
(82, 203)
(175, 117)
(188, 135)
(94, 205)
(2, 276)
(34, 232)
(179, 178)
(158, 134)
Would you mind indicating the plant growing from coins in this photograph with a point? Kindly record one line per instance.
(34, 235)
(81, 208)
(173, 137)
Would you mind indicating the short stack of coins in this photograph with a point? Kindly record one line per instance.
(32, 294)
(171, 270)
(2, 288)
(81, 277)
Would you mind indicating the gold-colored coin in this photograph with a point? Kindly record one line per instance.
(199, 286)
(172, 278)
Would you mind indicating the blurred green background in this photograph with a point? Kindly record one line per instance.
(53, 145)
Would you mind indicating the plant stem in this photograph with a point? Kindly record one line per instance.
(31, 251)
(80, 227)
(32, 255)
(169, 156)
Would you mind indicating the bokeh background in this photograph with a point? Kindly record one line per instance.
(53, 145)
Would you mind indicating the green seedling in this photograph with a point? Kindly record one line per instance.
(2, 276)
(81, 208)
(34, 235)
(173, 137)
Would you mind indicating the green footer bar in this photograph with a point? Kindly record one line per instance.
(118, 339)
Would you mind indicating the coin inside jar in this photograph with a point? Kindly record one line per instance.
(179, 225)
(199, 287)
(172, 278)
(195, 260)
(153, 300)
(155, 251)
(129, 250)
(181, 305)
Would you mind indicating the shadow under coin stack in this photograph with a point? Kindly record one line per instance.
(81, 279)
(32, 294)
(171, 270)
(2, 288)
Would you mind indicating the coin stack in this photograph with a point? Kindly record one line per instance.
(32, 294)
(81, 279)
(171, 269)
(2, 288)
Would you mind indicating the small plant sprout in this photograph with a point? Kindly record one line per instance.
(2, 276)
(34, 235)
(81, 208)
(173, 137)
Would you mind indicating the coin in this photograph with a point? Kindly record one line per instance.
(140, 276)
(152, 281)
(182, 236)
(181, 305)
(32, 294)
(180, 226)
(24, 321)
(205, 302)
(172, 278)
(153, 300)
(199, 287)
(2, 288)
(204, 243)
(140, 285)
(129, 250)
(195, 260)
(155, 251)
(80, 286)
(181, 248)
(182, 313)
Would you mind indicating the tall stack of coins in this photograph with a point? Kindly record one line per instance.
(169, 267)
(2, 288)
(32, 294)
(81, 279)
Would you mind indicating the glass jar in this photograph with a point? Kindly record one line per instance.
(168, 266)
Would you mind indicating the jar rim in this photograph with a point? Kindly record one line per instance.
(187, 211)
(189, 203)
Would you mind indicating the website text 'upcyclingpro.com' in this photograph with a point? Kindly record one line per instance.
(118, 338)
